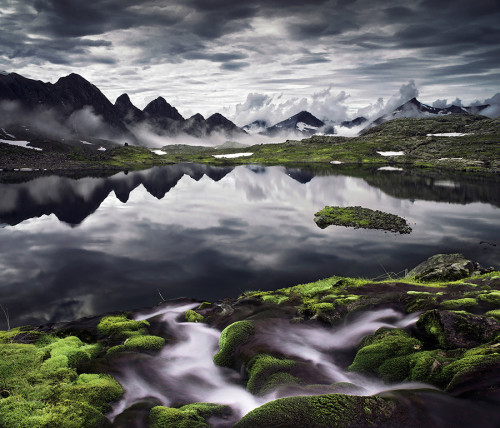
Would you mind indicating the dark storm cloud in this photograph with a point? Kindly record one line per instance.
(399, 39)
(311, 59)
(234, 65)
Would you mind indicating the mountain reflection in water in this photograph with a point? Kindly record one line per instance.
(211, 232)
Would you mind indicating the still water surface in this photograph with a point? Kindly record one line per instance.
(78, 247)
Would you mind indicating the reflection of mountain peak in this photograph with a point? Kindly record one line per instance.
(73, 200)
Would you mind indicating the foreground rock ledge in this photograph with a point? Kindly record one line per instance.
(59, 375)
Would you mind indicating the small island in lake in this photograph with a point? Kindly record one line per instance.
(361, 218)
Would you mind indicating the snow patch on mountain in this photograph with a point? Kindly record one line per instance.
(20, 144)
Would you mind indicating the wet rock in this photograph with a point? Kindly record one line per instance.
(329, 410)
(446, 267)
(457, 330)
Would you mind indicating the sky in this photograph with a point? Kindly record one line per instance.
(256, 58)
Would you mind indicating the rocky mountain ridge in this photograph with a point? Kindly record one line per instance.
(74, 107)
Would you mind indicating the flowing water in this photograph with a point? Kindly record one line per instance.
(184, 372)
(80, 246)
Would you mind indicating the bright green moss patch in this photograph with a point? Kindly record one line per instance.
(17, 333)
(274, 298)
(492, 298)
(359, 217)
(383, 345)
(161, 417)
(121, 326)
(459, 303)
(42, 387)
(231, 337)
(139, 343)
(189, 416)
(494, 313)
(192, 316)
(330, 410)
(146, 343)
(266, 372)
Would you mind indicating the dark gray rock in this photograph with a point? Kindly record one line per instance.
(447, 267)
(450, 330)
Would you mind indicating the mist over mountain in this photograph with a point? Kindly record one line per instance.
(415, 109)
(73, 108)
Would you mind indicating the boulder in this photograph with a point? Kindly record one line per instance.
(451, 330)
(446, 267)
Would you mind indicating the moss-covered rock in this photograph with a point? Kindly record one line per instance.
(359, 217)
(267, 372)
(385, 344)
(455, 304)
(43, 388)
(192, 316)
(329, 410)
(450, 330)
(120, 326)
(189, 416)
(139, 343)
(233, 336)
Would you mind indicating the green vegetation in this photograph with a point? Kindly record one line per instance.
(129, 335)
(230, 339)
(476, 151)
(120, 326)
(192, 316)
(466, 302)
(479, 150)
(359, 217)
(266, 372)
(189, 416)
(330, 410)
(41, 385)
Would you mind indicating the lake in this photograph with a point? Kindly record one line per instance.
(78, 246)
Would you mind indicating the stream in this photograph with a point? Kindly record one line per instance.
(184, 372)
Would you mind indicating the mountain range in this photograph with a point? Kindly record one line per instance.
(75, 107)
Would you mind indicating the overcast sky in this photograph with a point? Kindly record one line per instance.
(243, 58)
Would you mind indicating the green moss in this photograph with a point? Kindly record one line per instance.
(459, 303)
(382, 346)
(121, 326)
(492, 298)
(146, 343)
(206, 410)
(494, 313)
(189, 416)
(19, 333)
(204, 305)
(330, 410)
(192, 316)
(266, 372)
(161, 417)
(275, 298)
(359, 217)
(44, 389)
(231, 338)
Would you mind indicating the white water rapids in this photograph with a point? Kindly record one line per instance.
(184, 372)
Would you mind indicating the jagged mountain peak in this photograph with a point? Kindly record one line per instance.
(159, 108)
(123, 99)
(197, 117)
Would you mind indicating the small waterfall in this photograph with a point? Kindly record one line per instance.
(184, 372)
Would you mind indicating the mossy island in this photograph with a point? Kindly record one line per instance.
(438, 326)
(361, 218)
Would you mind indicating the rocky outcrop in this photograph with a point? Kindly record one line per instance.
(447, 267)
